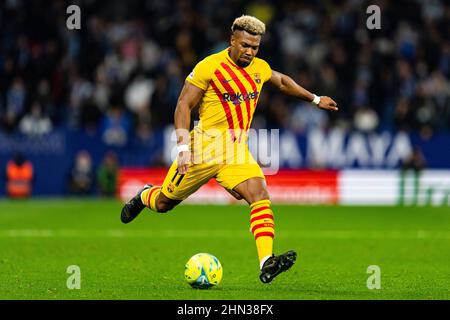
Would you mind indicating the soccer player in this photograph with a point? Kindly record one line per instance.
(226, 87)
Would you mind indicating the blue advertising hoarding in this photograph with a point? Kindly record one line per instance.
(53, 155)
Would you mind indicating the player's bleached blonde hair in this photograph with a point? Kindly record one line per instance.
(250, 24)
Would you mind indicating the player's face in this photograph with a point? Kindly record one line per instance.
(244, 47)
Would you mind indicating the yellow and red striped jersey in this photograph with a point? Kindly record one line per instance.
(231, 92)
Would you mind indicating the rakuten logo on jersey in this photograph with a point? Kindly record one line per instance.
(238, 98)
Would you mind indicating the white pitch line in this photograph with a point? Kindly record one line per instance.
(318, 234)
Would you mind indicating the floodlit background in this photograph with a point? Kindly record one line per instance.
(88, 115)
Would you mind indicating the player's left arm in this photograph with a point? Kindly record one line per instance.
(288, 86)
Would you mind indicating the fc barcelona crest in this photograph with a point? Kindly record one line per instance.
(257, 77)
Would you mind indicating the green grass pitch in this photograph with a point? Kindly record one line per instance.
(39, 239)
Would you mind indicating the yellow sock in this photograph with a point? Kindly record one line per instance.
(262, 227)
(149, 196)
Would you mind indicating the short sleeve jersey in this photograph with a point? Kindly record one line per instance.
(231, 92)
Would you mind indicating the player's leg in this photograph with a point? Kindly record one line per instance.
(248, 182)
(173, 191)
(151, 197)
(148, 194)
(262, 226)
(262, 223)
(156, 201)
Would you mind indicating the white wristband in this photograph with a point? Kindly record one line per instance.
(316, 100)
(182, 148)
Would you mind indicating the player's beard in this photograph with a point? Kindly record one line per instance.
(244, 63)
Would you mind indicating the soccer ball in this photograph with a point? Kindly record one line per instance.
(203, 271)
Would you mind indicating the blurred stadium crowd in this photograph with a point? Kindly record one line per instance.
(120, 75)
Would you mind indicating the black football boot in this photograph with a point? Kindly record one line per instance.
(133, 207)
(275, 265)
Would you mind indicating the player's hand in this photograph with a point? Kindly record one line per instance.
(327, 103)
(184, 158)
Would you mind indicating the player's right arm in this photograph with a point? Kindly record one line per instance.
(196, 84)
(189, 97)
